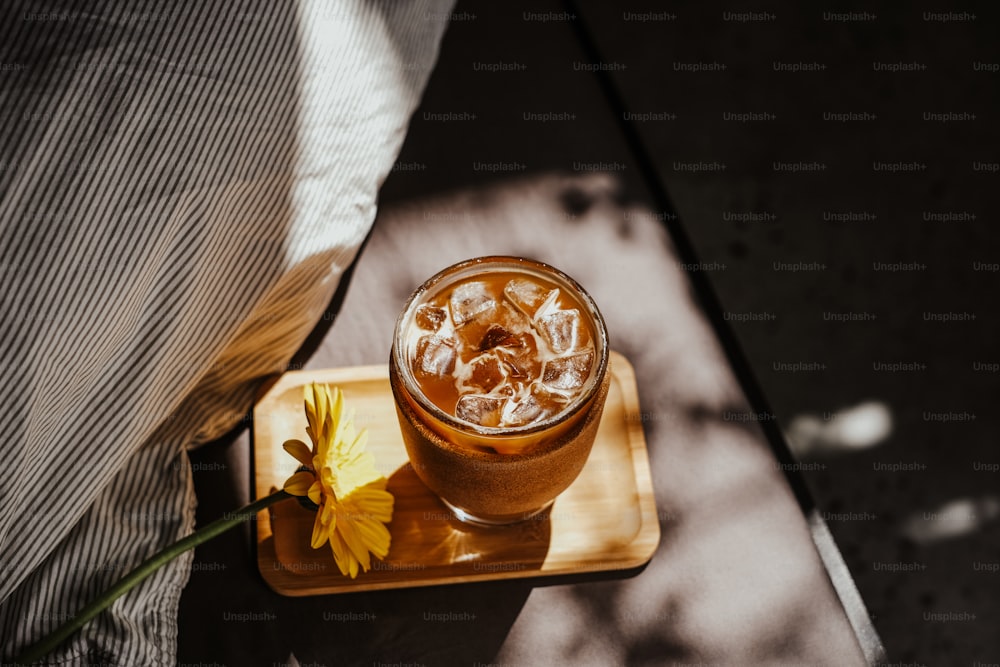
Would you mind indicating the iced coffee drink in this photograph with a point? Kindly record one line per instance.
(499, 370)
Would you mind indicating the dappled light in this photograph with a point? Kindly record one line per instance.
(853, 428)
(952, 520)
(736, 567)
(717, 486)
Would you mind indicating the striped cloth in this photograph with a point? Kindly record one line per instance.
(182, 188)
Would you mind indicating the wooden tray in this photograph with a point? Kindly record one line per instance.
(605, 521)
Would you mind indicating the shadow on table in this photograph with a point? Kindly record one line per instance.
(447, 624)
(736, 578)
(427, 533)
(435, 625)
(429, 546)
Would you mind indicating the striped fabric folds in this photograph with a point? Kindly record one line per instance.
(181, 189)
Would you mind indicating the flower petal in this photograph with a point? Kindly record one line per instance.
(321, 401)
(310, 403)
(374, 500)
(299, 450)
(376, 537)
(342, 555)
(348, 530)
(316, 493)
(320, 534)
(299, 483)
(339, 421)
(329, 511)
(327, 476)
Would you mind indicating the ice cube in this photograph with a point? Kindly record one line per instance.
(473, 334)
(529, 297)
(521, 412)
(497, 336)
(430, 317)
(435, 356)
(478, 409)
(534, 406)
(553, 399)
(521, 361)
(568, 373)
(481, 375)
(561, 329)
(469, 300)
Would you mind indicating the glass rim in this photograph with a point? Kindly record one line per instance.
(515, 264)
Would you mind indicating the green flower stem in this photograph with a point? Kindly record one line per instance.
(45, 645)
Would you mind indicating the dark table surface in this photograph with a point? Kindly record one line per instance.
(737, 576)
(530, 159)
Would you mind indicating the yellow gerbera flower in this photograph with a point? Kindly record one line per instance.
(341, 479)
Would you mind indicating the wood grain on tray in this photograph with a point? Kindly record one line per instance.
(605, 521)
